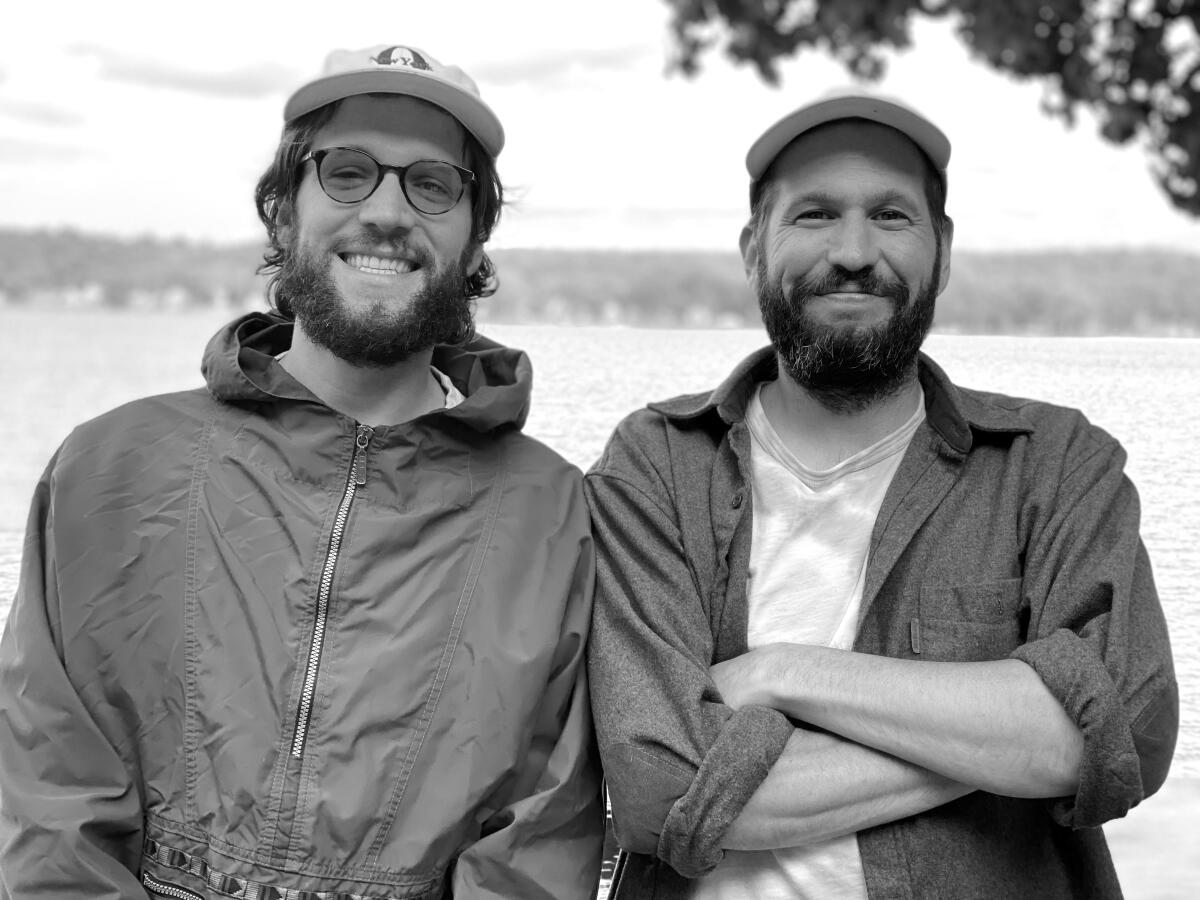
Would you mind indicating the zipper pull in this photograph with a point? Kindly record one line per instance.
(361, 439)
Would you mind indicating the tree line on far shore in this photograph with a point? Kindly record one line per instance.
(1099, 292)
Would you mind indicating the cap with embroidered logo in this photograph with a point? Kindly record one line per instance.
(849, 103)
(397, 69)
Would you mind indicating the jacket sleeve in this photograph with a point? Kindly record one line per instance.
(70, 812)
(680, 765)
(1098, 637)
(547, 842)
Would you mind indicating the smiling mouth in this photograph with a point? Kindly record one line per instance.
(853, 295)
(378, 265)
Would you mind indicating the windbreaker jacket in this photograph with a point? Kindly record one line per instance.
(260, 651)
(1009, 530)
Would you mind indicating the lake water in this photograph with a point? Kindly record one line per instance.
(58, 368)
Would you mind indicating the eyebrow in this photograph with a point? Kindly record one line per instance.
(371, 153)
(883, 198)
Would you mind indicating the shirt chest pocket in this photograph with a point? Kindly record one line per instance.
(968, 622)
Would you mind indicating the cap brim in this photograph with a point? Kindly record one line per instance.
(917, 128)
(475, 115)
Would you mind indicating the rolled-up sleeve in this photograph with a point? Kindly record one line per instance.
(1098, 637)
(680, 765)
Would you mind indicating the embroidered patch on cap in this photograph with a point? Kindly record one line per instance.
(402, 56)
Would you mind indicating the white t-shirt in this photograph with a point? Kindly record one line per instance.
(808, 559)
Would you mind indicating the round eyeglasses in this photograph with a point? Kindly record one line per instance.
(348, 175)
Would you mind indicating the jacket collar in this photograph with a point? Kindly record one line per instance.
(954, 413)
(240, 366)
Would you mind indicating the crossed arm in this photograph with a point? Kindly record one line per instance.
(906, 736)
(993, 725)
(823, 786)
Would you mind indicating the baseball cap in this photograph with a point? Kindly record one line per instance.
(849, 103)
(397, 69)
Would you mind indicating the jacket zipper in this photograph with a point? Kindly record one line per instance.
(355, 479)
(163, 889)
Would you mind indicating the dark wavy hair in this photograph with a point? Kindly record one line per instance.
(275, 198)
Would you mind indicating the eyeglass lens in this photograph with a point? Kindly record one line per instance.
(350, 175)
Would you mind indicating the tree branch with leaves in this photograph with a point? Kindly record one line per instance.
(1134, 63)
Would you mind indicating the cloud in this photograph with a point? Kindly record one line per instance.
(557, 69)
(20, 151)
(39, 113)
(247, 82)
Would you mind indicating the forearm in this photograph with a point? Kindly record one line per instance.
(993, 725)
(823, 787)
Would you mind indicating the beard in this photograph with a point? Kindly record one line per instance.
(386, 333)
(847, 368)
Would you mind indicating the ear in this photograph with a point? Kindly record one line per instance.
(749, 247)
(947, 241)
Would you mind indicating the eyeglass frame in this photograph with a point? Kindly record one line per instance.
(467, 176)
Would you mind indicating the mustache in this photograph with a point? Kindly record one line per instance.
(367, 243)
(839, 279)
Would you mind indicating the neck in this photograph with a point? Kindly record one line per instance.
(370, 396)
(820, 437)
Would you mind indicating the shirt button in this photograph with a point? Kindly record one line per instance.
(737, 500)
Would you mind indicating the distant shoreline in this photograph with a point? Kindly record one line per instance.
(1074, 292)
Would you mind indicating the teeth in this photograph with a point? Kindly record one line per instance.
(378, 265)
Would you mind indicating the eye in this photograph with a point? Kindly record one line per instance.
(430, 185)
(346, 174)
(344, 168)
(813, 215)
(437, 182)
(892, 217)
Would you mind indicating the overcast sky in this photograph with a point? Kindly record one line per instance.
(157, 118)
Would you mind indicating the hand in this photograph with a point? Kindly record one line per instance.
(746, 680)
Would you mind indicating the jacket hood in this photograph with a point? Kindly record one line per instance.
(240, 366)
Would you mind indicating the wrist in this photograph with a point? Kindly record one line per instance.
(773, 679)
(790, 688)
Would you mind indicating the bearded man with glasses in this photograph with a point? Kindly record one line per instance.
(318, 630)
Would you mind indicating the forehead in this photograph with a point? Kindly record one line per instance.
(850, 154)
(390, 124)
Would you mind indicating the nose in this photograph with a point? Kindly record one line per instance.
(387, 208)
(852, 244)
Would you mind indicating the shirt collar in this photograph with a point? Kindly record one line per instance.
(952, 412)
